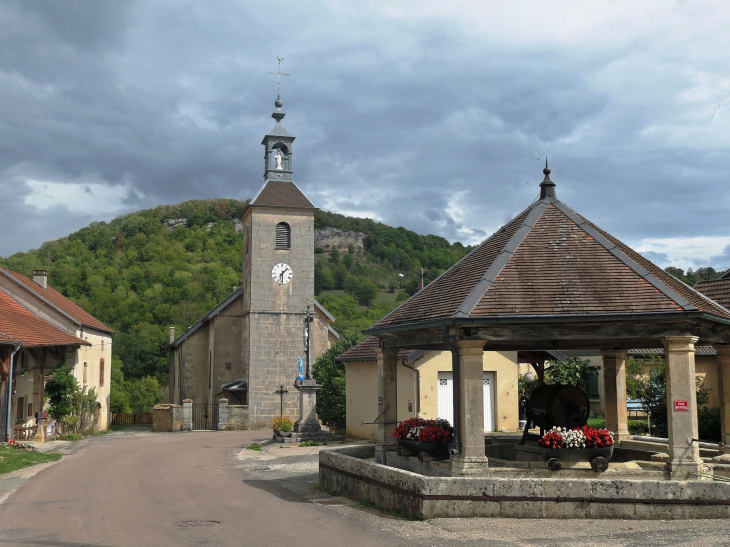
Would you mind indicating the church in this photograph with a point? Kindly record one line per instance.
(248, 348)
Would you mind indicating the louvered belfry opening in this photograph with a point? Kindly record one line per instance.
(283, 236)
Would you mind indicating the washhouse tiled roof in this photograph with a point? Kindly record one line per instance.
(549, 261)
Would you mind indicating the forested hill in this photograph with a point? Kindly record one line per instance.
(139, 274)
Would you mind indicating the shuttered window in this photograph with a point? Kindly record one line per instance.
(20, 409)
(283, 236)
(101, 372)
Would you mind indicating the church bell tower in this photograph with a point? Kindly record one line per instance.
(278, 280)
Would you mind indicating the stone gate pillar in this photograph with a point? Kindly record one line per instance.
(723, 381)
(187, 415)
(387, 402)
(684, 453)
(222, 414)
(471, 459)
(614, 387)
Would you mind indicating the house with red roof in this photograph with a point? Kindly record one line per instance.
(45, 329)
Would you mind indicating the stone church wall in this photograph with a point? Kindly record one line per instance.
(194, 369)
(227, 346)
(278, 343)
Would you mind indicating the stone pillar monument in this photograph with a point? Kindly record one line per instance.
(307, 422)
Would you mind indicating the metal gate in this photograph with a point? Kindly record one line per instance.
(205, 416)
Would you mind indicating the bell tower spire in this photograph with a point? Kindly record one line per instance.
(278, 142)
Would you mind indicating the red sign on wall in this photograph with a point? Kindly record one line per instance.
(681, 405)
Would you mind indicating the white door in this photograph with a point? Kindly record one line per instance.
(445, 396)
(488, 390)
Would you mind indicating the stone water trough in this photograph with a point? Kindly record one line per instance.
(520, 489)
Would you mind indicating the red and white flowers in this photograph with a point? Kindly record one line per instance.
(437, 431)
(584, 437)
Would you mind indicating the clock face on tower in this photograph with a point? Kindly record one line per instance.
(282, 273)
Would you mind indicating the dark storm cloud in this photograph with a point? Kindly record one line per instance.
(433, 118)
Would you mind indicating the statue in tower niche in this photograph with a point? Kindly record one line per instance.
(278, 160)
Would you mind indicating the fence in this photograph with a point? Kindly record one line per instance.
(132, 418)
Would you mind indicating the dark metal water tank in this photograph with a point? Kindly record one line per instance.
(558, 406)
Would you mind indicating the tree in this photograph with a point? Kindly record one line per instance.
(340, 273)
(144, 393)
(334, 256)
(347, 261)
(367, 293)
(59, 392)
(351, 285)
(573, 371)
(118, 397)
(331, 375)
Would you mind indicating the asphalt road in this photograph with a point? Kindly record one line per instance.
(151, 489)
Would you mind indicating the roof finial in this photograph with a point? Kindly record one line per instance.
(547, 186)
(279, 74)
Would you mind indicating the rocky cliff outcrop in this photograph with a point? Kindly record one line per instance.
(331, 238)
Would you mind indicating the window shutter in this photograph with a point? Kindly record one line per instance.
(101, 372)
(283, 235)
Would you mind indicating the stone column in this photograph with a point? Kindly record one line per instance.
(614, 387)
(187, 415)
(684, 454)
(471, 459)
(723, 381)
(222, 414)
(307, 422)
(387, 402)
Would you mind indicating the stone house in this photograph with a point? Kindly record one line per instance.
(90, 362)
(30, 348)
(425, 387)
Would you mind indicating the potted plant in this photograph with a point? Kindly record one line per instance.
(578, 444)
(430, 436)
(282, 426)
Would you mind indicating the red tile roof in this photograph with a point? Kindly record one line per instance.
(365, 351)
(281, 193)
(57, 300)
(549, 261)
(21, 324)
(717, 289)
(5, 339)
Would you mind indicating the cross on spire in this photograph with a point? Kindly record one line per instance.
(279, 74)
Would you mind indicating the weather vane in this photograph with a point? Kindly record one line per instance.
(279, 74)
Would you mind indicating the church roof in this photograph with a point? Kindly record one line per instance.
(549, 261)
(223, 304)
(281, 193)
(57, 301)
(717, 289)
(19, 324)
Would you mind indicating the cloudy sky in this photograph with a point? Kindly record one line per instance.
(428, 114)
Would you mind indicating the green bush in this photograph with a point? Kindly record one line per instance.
(708, 422)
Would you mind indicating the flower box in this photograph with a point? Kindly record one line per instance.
(433, 449)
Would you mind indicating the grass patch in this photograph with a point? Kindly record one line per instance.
(596, 422)
(12, 459)
(341, 432)
(70, 437)
(309, 443)
(284, 447)
(317, 487)
(368, 503)
(255, 447)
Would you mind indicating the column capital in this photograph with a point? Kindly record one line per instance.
(469, 347)
(680, 343)
(386, 353)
